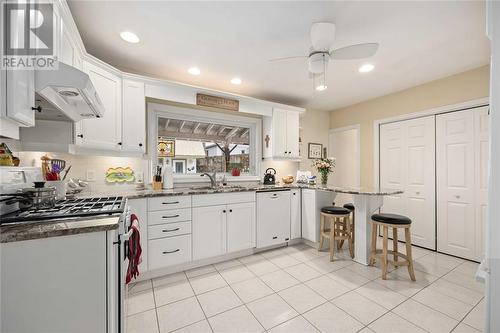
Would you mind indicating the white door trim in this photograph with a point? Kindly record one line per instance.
(357, 127)
(424, 113)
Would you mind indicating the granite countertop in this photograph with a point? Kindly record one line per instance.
(60, 227)
(15, 232)
(147, 193)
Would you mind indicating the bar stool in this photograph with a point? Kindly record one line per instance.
(350, 206)
(339, 229)
(394, 221)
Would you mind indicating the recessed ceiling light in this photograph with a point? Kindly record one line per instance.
(366, 68)
(129, 37)
(194, 71)
(236, 80)
(321, 87)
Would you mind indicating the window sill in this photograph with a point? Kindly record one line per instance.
(186, 179)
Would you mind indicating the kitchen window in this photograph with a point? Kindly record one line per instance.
(194, 141)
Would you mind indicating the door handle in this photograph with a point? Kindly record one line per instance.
(168, 252)
(170, 230)
(170, 216)
(275, 237)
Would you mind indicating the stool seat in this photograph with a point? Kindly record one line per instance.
(335, 210)
(391, 219)
(349, 206)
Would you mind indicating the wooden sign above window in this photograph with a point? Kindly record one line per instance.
(217, 102)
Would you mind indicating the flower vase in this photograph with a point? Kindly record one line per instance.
(324, 178)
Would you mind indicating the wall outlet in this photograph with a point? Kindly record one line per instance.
(90, 175)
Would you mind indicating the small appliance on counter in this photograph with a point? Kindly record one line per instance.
(270, 176)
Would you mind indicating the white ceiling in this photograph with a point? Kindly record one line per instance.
(419, 42)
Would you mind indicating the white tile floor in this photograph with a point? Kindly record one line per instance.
(297, 289)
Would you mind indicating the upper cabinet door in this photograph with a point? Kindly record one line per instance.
(134, 116)
(292, 134)
(279, 133)
(21, 96)
(103, 133)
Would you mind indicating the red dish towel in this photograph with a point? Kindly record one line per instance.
(134, 249)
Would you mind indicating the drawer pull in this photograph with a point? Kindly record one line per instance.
(170, 230)
(170, 216)
(170, 203)
(168, 252)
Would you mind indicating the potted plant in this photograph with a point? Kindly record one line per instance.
(324, 167)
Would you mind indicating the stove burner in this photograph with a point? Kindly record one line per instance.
(69, 208)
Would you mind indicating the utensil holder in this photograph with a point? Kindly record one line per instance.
(157, 186)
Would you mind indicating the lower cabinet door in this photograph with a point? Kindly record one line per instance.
(240, 226)
(169, 251)
(209, 231)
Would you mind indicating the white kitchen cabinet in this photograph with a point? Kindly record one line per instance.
(134, 116)
(240, 226)
(273, 218)
(21, 96)
(139, 207)
(169, 251)
(103, 133)
(407, 162)
(462, 165)
(281, 135)
(312, 202)
(209, 231)
(69, 52)
(295, 214)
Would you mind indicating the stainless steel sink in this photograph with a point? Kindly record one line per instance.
(214, 188)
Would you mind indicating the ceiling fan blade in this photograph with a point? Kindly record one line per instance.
(322, 36)
(288, 58)
(358, 51)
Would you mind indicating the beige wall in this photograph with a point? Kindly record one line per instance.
(314, 127)
(462, 87)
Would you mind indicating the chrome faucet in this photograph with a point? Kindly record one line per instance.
(213, 178)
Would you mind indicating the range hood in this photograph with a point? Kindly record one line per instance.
(70, 91)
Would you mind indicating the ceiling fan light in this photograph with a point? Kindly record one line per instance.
(321, 87)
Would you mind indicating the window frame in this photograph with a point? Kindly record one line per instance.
(254, 123)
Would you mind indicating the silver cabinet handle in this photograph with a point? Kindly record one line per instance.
(457, 196)
(417, 192)
(170, 230)
(170, 203)
(170, 216)
(167, 252)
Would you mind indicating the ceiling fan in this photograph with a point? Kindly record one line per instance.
(322, 37)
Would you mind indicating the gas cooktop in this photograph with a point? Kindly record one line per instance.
(69, 208)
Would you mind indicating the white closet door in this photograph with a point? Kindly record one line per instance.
(420, 180)
(392, 166)
(481, 152)
(407, 161)
(455, 179)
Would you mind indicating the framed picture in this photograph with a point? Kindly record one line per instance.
(166, 148)
(315, 150)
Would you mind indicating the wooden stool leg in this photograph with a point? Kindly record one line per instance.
(395, 244)
(373, 245)
(408, 254)
(340, 243)
(332, 239)
(321, 230)
(350, 239)
(384, 252)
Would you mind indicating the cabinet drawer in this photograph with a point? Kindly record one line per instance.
(169, 251)
(203, 200)
(172, 202)
(169, 230)
(169, 216)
